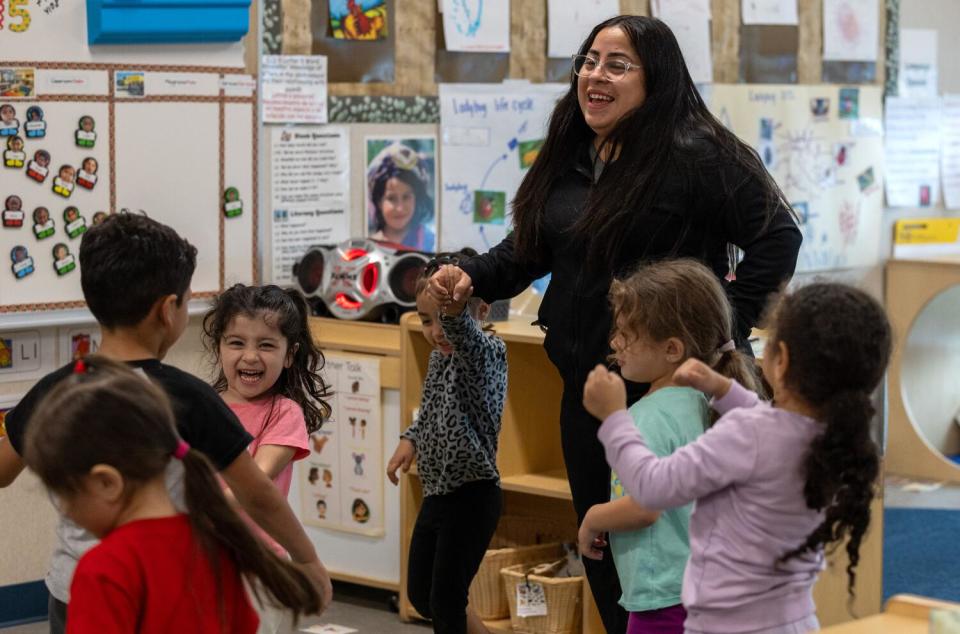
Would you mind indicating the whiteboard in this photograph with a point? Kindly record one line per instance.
(169, 159)
(167, 165)
(44, 284)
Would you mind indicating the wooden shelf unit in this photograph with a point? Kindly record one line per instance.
(534, 478)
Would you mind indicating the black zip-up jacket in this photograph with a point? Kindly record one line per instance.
(691, 218)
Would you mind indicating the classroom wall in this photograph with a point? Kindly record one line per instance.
(929, 370)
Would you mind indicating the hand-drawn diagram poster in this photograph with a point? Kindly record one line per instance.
(823, 146)
(491, 134)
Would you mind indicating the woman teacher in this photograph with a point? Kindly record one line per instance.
(634, 168)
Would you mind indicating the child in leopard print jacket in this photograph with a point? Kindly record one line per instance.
(454, 440)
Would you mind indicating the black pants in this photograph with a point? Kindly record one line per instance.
(448, 543)
(57, 613)
(589, 476)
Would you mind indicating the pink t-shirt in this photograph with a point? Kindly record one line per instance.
(274, 421)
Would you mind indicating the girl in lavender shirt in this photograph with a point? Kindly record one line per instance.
(774, 483)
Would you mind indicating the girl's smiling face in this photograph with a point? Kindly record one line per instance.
(253, 354)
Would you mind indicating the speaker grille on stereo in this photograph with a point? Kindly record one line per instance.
(403, 277)
(310, 272)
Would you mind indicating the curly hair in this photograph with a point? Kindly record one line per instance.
(838, 340)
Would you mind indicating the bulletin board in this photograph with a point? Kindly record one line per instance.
(174, 128)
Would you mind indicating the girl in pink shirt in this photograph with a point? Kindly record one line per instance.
(269, 375)
(774, 483)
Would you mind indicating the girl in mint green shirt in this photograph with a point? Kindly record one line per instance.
(665, 313)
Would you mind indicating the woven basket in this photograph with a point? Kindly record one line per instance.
(564, 602)
(487, 596)
(519, 540)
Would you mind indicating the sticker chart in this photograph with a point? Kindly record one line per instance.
(823, 146)
(84, 135)
(490, 136)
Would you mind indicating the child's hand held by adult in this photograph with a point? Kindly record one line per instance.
(698, 375)
(402, 459)
(604, 393)
(452, 276)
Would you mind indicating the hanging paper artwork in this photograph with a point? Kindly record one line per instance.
(63, 260)
(87, 176)
(74, 223)
(35, 127)
(14, 156)
(13, 212)
(85, 135)
(22, 262)
(232, 205)
(63, 183)
(477, 26)
(99, 217)
(39, 168)
(358, 19)
(43, 226)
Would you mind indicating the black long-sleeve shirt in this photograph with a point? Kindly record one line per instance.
(705, 204)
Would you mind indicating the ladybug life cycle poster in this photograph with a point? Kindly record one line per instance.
(342, 481)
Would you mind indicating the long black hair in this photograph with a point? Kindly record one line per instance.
(105, 413)
(648, 142)
(301, 382)
(838, 341)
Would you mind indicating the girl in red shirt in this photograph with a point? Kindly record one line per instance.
(102, 443)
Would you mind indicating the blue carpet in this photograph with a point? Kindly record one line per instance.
(921, 550)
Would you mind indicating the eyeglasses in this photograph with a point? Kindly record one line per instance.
(612, 69)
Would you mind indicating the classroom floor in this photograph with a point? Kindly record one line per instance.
(358, 609)
(920, 549)
(921, 520)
